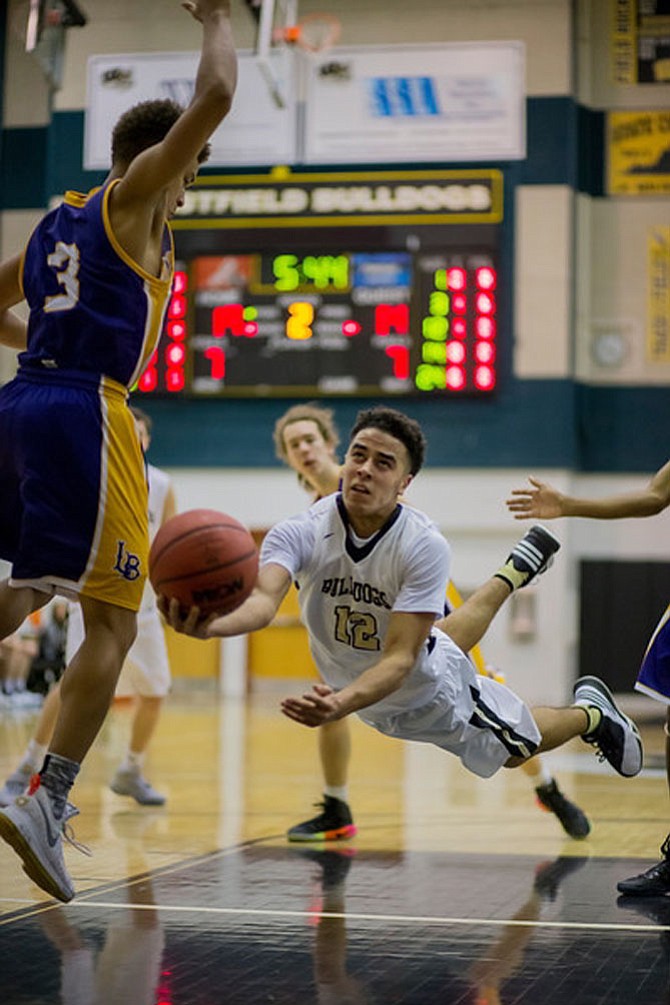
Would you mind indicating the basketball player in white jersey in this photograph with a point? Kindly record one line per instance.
(145, 675)
(372, 575)
(306, 439)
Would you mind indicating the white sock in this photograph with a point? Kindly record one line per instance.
(544, 778)
(340, 792)
(35, 754)
(132, 761)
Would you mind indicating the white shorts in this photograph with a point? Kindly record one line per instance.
(146, 670)
(478, 719)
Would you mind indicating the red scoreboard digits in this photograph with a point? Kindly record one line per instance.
(459, 327)
(391, 322)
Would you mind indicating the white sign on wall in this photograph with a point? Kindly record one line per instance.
(453, 102)
(256, 132)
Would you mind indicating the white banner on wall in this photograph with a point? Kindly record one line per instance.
(256, 132)
(453, 102)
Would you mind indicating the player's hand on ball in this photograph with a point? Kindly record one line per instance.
(186, 622)
(314, 708)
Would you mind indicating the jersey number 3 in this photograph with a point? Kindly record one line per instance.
(65, 261)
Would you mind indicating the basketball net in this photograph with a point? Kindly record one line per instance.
(312, 33)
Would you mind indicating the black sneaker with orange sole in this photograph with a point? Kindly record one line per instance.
(335, 823)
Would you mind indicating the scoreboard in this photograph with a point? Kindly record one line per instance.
(389, 311)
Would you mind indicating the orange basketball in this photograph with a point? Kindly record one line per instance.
(205, 559)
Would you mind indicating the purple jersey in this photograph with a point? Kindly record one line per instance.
(91, 307)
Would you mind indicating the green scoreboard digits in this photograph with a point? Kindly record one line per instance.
(404, 301)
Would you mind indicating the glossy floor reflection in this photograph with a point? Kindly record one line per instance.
(285, 925)
(455, 891)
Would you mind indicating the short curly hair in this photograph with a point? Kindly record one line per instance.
(398, 425)
(309, 412)
(144, 125)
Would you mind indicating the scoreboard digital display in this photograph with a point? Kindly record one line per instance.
(306, 285)
(357, 323)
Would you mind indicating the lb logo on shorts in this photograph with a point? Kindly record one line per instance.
(127, 563)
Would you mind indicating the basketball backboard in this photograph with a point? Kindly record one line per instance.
(272, 18)
(280, 28)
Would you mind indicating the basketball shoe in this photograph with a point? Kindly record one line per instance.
(616, 736)
(16, 784)
(131, 782)
(656, 908)
(334, 865)
(31, 827)
(574, 821)
(550, 875)
(653, 882)
(335, 823)
(530, 557)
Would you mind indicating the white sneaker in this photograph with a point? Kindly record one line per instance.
(36, 835)
(131, 782)
(16, 784)
(616, 737)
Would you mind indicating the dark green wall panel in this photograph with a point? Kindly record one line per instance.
(531, 424)
(564, 148)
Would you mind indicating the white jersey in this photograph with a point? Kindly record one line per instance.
(159, 486)
(146, 670)
(348, 588)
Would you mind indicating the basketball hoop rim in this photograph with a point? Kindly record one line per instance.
(331, 37)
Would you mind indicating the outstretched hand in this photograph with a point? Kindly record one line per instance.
(186, 622)
(542, 500)
(314, 707)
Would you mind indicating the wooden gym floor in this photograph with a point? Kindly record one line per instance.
(456, 891)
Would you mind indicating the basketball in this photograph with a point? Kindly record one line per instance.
(205, 559)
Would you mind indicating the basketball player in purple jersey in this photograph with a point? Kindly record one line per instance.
(96, 274)
(543, 500)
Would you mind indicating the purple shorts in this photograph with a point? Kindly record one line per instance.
(654, 676)
(73, 506)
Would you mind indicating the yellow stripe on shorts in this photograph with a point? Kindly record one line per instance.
(119, 558)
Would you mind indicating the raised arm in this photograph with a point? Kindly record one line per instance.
(215, 84)
(13, 331)
(545, 502)
(406, 635)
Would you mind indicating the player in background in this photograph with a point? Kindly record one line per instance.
(17, 653)
(542, 500)
(306, 439)
(145, 675)
(96, 274)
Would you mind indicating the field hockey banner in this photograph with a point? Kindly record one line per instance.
(451, 103)
(638, 153)
(256, 132)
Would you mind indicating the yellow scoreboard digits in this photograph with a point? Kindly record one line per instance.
(300, 319)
